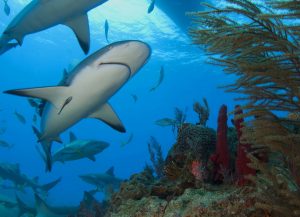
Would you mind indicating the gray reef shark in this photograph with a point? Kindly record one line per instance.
(103, 181)
(39, 15)
(12, 172)
(90, 85)
(14, 207)
(77, 149)
(44, 210)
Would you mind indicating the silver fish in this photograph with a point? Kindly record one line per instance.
(160, 80)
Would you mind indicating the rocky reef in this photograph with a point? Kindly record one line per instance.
(193, 179)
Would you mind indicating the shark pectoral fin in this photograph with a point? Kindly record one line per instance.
(108, 116)
(80, 26)
(92, 158)
(54, 95)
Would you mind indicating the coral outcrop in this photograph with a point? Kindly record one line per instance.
(194, 143)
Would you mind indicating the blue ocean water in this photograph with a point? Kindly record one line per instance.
(40, 61)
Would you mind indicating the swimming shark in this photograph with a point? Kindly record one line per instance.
(90, 85)
(44, 210)
(14, 207)
(77, 149)
(39, 15)
(13, 173)
(103, 181)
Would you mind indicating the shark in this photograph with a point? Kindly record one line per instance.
(77, 149)
(86, 92)
(39, 15)
(45, 210)
(103, 181)
(14, 206)
(13, 173)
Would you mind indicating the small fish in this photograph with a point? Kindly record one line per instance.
(134, 97)
(123, 144)
(151, 6)
(106, 27)
(165, 122)
(68, 100)
(20, 117)
(33, 103)
(160, 80)
(6, 7)
(5, 144)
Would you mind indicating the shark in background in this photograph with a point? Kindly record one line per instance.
(13, 173)
(77, 149)
(14, 207)
(104, 182)
(87, 91)
(39, 15)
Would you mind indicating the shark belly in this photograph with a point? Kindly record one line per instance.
(90, 90)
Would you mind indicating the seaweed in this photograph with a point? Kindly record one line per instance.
(202, 111)
(261, 49)
(156, 156)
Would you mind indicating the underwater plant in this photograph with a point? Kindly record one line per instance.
(156, 156)
(261, 48)
(202, 111)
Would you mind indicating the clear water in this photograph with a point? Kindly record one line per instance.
(41, 60)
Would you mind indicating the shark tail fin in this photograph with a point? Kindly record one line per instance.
(41, 206)
(48, 155)
(23, 208)
(47, 187)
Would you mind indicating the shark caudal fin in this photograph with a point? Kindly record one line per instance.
(23, 208)
(46, 154)
(42, 208)
(47, 187)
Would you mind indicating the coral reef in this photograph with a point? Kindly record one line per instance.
(194, 143)
(221, 201)
(260, 49)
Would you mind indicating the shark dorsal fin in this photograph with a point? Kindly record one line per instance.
(72, 137)
(106, 114)
(110, 171)
(80, 26)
